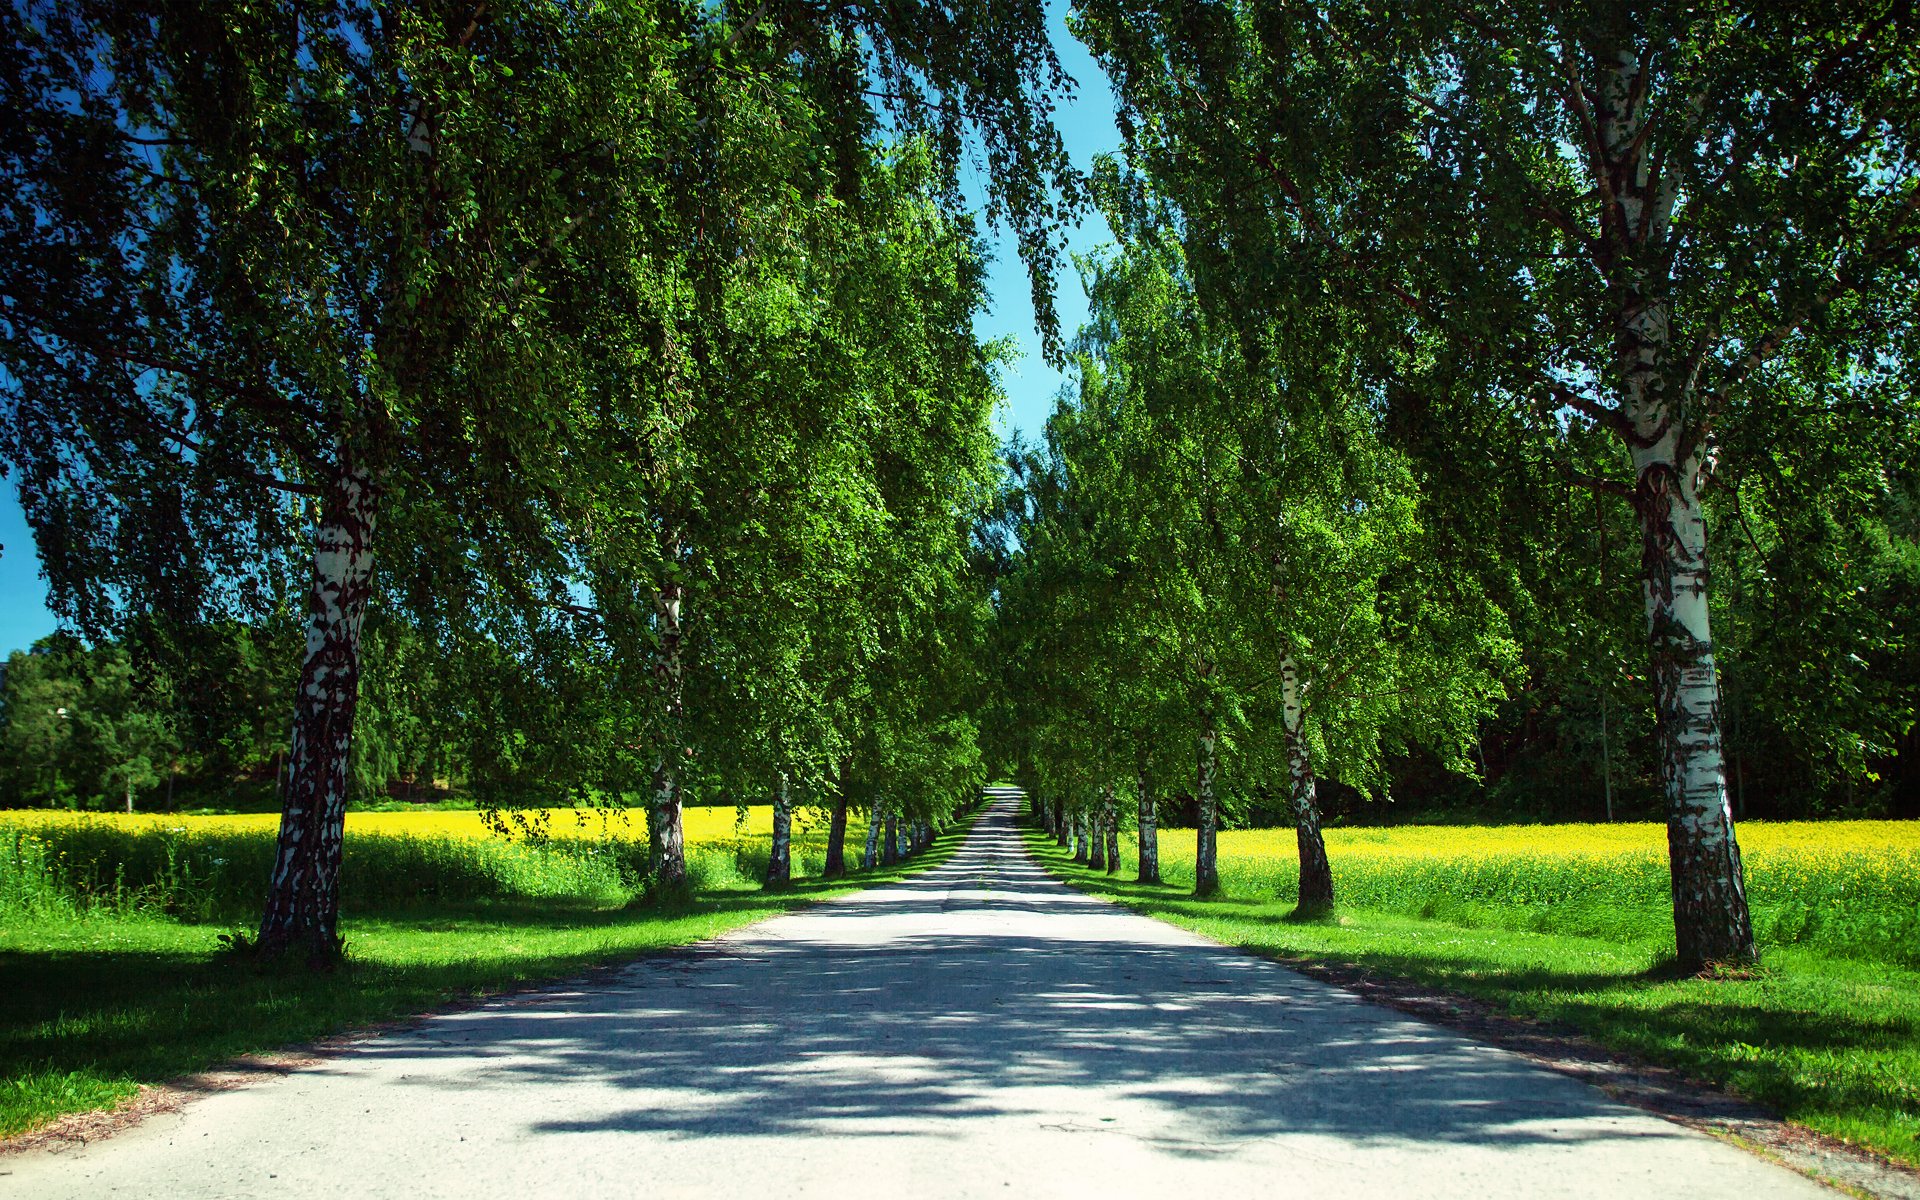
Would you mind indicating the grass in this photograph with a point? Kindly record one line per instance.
(1826, 1032)
(1845, 887)
(99, 996)
(211, 868)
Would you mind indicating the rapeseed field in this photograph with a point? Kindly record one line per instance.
(209, 867)
(1849, 887)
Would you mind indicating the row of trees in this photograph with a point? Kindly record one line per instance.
(645, 369)
(611, 333)
(1463, 320)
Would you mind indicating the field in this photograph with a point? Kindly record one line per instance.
(215, 867)
(1845, 887)
(112, 974)
(1571, 924)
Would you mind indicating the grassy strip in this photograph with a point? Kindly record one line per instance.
(1830, 1043)
(209, 869)
(94, 1005)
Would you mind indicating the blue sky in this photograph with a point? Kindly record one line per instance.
(1086, 123)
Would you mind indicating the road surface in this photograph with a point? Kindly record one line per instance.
(979, 1030)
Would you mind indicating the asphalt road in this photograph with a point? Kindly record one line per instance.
(979, 1030)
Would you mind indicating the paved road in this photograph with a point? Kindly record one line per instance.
(977, 1031)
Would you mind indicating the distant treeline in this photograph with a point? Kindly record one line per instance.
(197, 718)
(194, 719)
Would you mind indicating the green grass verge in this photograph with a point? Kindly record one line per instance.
(1829, 1043)
(94, 1005)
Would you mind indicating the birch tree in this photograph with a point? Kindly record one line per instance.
(267, 289)
(1624, 215)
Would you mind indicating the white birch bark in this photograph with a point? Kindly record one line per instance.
(872, 856)
(666, 836)
(303, 892)
(1316, 874)
(1206, 867)
(780, 854)
(1711, 918)
(1149, 835)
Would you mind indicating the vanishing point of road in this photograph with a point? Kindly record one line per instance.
(977, 1030)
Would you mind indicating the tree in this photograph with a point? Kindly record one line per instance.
(1620, 215)
(282, 266)
(81, 727)
(272, 276)
(43, 690)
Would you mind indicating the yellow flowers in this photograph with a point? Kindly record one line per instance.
(215, 865)
(1850, 887)
(583, 825)
(1759, 840)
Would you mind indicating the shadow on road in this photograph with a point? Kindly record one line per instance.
(986, 988)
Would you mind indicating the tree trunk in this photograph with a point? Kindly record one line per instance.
(1062, 832)
(1097, 843)
(129, 797)
(780, 856)
(1079, 837)
(903, 835)
(666, 838)
(1710, 917)
(1149, 836)
(872, 857)
(1206, 867)
(1316, 874)
(1111, 814)
(1711, 922)
(303, 893)
(836, 866)
(890, 849)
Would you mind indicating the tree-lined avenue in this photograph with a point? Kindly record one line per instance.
(979, 1029)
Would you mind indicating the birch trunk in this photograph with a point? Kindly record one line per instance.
(1079, 837)
(872, 857)
(1206, 865)
(1061, 831)
(904, 846)
(1149, 835)
(836, 865)
(1711, 922)
(1316, 874)
(666, 838)
(890, 842)
(780, 855)
(1097, 847)
(1710, 916)
(303, 893)
(1111, 819)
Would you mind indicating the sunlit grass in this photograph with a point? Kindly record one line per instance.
(1846, 887)
(96, 1000)
(215, 867)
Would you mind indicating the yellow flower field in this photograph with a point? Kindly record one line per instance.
(1852, 886)
(208, 866)
(703, 824)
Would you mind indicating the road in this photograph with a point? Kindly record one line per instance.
(979, 1030)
